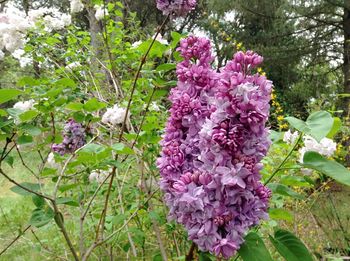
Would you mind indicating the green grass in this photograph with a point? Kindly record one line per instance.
(15, 212)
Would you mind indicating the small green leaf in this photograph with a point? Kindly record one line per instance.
(204, 256)
(23, 192)
(38, 201)
(330, 168)
(28, 115)
(67, 187)
(165, 67)
(335, 128)
(9, 160)
(280, 214)
(67, 201)
(24, 139)
(93, 148)
(41, 216)
(284, 190)
(94, 105)
(75, 106)
(30, 129)
(122, 149)
(290, 247)
(254, 249)
(8, 94)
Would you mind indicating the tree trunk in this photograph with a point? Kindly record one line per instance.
(346, 68)
(346, 25)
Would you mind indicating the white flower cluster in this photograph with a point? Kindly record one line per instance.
(290, 137)
(51, 161)
(14, 25)
(101, 12)
(99, 175)
(325, 147)
(160, 39)
(114, 115)
(24, 106)
(76, 6)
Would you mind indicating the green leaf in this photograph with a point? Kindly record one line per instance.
(204, 256)
(28, 115)
(93, 148)
(290, 247)
(67, 201)
(275, 136)
(9, 160)
(122, 149)
(67, 187)
(280, 214)
(24, 139)
(31, 186)
(320, 123)
(254, 249)
(75, 106)
(317, 125)
(94, 105)
(38, 201)
(298, 124)
(335, 128)
(41, 216)
(8, 94)
(30, 129)
(165, 67)
(48, 172)
(65, 82)
(176, 39)
(284, 190)
(330, 168)
(3, 113)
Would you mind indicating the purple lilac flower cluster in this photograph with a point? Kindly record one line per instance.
(176, 7)
(74, 137)
(214, 141)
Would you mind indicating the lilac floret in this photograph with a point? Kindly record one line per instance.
(74, 137)
(176, 7)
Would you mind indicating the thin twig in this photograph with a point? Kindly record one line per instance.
(284, 160)
(23, 187)
(143, 61)
(190, 254)
(14, 240)
(101, 242)
(23, 162)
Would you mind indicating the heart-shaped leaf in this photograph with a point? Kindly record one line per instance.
(330, 168)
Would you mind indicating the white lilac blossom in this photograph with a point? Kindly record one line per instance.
(160, 39)
(25, 105)
(51, 161)
(325, 147)
(114, 115)
(154, 106)
(23, 58)
(76, 6)
(101, 12)
(290, 137)
(136, 44)
(14, 24)
(212, 148)
(99, 175)
(73, 65)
